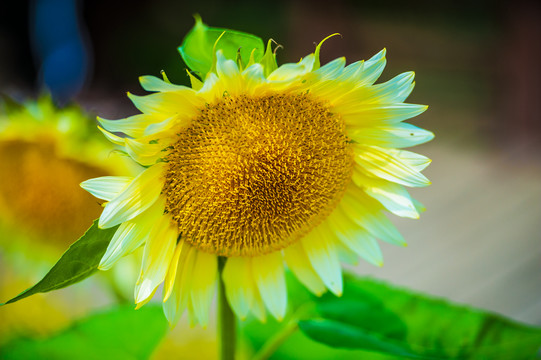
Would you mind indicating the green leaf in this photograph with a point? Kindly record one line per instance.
(198, 47)
(370, 315)
(77, 263)
(376, 316)
(438, 328)
(342, 335)
(373, 320)
(120, 333)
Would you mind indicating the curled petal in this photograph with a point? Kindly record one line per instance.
(106, 187)
(138, 196)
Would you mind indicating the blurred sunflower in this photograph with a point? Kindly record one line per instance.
(45, 152)
(260, 164)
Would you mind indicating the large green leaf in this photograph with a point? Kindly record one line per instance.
(77, 263)
(373, 320)
(197, 49)
(121, 333)
(342, 335)
(434, 328)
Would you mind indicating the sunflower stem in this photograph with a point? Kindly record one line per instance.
(227, 321)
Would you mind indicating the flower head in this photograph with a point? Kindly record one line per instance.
(45, 152)
(260, 164)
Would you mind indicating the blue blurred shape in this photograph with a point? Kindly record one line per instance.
(61, 51)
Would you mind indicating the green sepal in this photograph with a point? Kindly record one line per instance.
(78, 262)
(239, 61)
(317, 63)
(199, 46)
(269, 60)
(164, 76)
(194, 81)
(252, 59)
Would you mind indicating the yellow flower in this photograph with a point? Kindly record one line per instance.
(261, 164)
(45, 152)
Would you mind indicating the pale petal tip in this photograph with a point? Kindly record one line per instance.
(101, 120)
(278, 314)
(104, 266)
(261, 316)
(143, 291)
(337, 289)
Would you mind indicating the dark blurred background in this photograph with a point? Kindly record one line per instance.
(477, 65)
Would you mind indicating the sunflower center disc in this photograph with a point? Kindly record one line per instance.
(251, 175)
(40, 193)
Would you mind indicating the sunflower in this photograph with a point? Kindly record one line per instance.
(45, 152)
(261, 164)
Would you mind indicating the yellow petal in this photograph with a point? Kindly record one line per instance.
(133, 126)
(239, 284)
(205, 272)
(106, 187)
(355, 238)
(367, 213)
(268, 273)
(391, 166)
(320, 250)
(170, 277)
(298, 262)
(179, 297)
(157, 255)
(138, 196)
(130, 235)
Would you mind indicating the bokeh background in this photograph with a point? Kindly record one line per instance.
(477, 67)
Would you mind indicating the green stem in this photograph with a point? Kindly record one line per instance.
(276, 341)
(227, 321)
